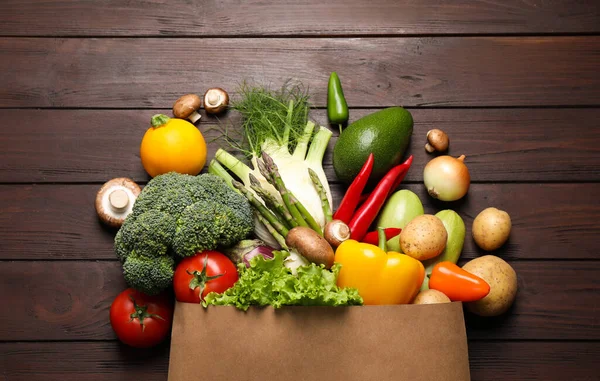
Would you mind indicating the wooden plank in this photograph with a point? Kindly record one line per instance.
(53, 301)
(500, 144)
(337, 17)
(552, 221)
(490, 361)
(454, 71)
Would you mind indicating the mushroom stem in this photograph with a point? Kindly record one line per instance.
(118, 200)
(194, 117)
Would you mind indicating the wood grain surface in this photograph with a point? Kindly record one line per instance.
(556, 301)
(514, 83)
(95, 361)
(501, 145)
(133, 72)
(550, 221)
(286, 17)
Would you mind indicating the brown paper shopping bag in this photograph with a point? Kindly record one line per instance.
(360, 343)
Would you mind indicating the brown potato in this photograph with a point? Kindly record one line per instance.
(491, 228)
(431, 297)
(502, 279)
(424, 237)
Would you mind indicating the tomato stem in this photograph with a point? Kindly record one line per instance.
(141, 313)
(200, 278)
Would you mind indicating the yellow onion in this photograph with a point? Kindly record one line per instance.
(447, 178)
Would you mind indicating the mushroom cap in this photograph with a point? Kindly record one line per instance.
(186, 105)
(438, 139)
(216, 100)
(115, 199)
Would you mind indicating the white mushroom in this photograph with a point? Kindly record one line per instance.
(216, 100)
(115, 199)
(186, 107)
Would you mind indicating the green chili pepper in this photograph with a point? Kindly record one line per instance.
(337, 108)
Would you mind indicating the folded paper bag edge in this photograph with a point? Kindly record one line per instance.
(416, 342)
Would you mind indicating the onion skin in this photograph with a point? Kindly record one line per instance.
(447, 178)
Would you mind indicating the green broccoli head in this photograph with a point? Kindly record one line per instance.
(170, 193)
(150, 234)
(217, 190)
(208, 224)
(178, 214)
(148, 275)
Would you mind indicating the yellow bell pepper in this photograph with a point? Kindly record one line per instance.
(379, 277)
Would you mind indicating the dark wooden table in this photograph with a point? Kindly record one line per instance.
(516, 84)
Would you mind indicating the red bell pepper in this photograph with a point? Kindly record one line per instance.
(373, 237)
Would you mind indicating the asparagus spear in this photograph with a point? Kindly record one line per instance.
(266, 213)
(271, 172)
(272, 203)
(278, 237)
(305, 214)
(321, 190)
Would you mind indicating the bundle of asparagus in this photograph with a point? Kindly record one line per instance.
(276, 216)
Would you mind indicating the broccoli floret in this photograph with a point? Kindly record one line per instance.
(150, 234)
(170, 193)
(182, 215)
(217, 190)
(148, 275)
(208, 224)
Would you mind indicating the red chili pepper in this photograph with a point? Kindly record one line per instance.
(365, 196)
(352, 196)
(373, 237)
(370, 208)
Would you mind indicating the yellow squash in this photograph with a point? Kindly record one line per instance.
(172, 145)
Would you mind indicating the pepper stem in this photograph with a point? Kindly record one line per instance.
(382, 239)
(159, 120)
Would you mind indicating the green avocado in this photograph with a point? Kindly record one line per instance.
(386, 133)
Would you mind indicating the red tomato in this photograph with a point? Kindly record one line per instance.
(140, 320)
(202, 274)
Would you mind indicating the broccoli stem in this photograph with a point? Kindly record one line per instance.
(272, 173)
(306, 215)
(216, 169)
(232, 163)
(322, 194)
(278, 237)
(266, 213)
(303, 140)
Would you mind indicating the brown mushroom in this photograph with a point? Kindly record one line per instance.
(216, 100)
(437, 140)
(186, 107)
(115, 199)
(336, 232)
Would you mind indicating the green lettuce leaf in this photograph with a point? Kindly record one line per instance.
(269, 282)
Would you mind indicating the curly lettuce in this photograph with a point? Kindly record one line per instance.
(268, 282)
